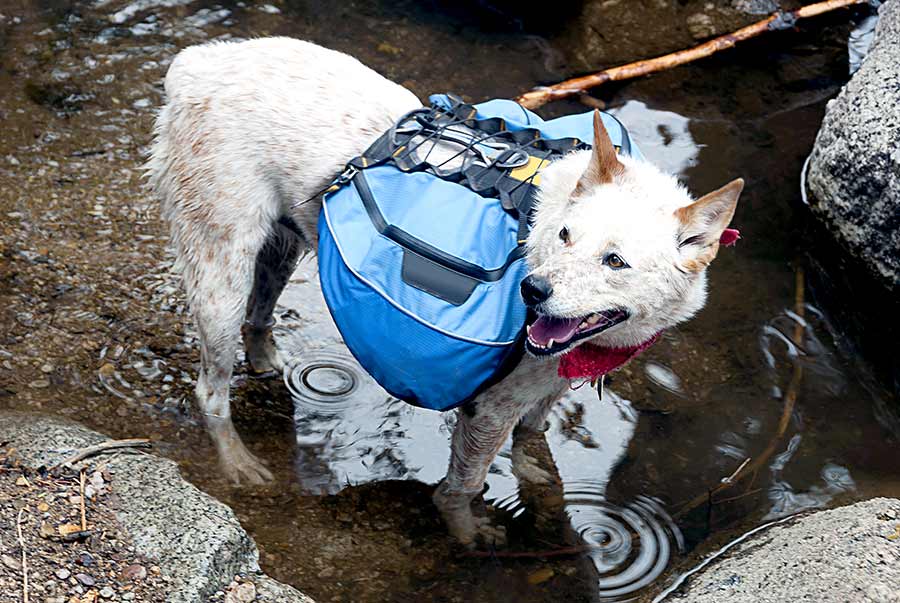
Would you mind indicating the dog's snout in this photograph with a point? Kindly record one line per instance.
(535, 290)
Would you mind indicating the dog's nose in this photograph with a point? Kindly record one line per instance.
(536, 289)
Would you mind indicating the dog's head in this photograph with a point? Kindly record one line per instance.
(618, 251)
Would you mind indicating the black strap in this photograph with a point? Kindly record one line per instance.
(396, 146)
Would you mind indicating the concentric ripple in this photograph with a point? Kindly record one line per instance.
(324, 380)
(633, 543)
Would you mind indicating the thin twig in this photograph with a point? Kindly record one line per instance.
(790, 400)
(731, 478)
(577, 86)
(739, 496)
(560, 552)
(83, 510)
(102, 447)
(24, 556)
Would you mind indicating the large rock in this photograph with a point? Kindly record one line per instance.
(849, 554)
(195, 539)
(854, 175)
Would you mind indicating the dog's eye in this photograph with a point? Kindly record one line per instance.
(614, 261)
(564, 235)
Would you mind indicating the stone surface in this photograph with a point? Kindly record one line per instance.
(196, 540)
(756, 7)
(848, 554)
(854, 173)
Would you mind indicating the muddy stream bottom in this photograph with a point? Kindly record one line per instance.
(95, 328)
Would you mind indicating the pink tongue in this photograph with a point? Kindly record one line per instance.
(558, 329)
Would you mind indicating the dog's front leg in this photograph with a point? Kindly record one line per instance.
(479, 434)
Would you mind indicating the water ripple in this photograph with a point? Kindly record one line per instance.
(632, 543)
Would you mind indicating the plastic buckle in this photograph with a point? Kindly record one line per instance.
(347, 175)
(512, 158)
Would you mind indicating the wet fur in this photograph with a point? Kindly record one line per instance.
(250, 128)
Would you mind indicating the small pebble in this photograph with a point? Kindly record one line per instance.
(134, 572)
(62, 573)
(107, 593)
(244, 593)
(47, 368)
(129, 596)
(540, 576)
(11, 562)
(85, 559)
(85, 579)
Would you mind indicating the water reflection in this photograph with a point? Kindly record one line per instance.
(781, 348)
(786, 501)
(663, 136)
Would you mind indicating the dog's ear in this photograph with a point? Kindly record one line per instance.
(604, 165)
(702, 222)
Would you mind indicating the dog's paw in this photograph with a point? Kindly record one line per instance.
(241, 467)
(470, 531)
(263, 356)
(238, 464)
(265, 362)
(487, 534)
(477, 532)
(527, 469)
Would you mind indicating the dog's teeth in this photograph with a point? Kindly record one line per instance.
(528, 329)
(550, 343)
(593, 319)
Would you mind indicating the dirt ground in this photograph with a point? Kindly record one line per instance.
(62, 542)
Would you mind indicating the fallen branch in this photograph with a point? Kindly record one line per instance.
(24, 556)
(560, 552)
(102, 447)
(790, 399)
(580, 85)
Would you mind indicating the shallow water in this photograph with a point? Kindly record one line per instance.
(97, 329)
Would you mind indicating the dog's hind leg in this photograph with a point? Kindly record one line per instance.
(219, 291)
(274, 265)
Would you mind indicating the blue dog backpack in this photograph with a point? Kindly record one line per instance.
(421, 244)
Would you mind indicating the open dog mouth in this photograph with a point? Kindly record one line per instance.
(550, 335)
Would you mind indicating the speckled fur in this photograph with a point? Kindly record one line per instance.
(250, 128)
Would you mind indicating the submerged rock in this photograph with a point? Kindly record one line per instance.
(196, 541)
(847, 554)
(854, 172)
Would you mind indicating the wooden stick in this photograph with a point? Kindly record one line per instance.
(790, 399)
(579, 85)
(24, 556)
(81, 479)
(102, 447)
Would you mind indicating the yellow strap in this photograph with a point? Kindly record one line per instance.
(529, 170)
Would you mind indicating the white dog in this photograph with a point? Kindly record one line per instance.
(250, 128)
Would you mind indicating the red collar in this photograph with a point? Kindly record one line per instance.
(590, 361)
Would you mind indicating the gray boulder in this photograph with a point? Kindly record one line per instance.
(849, 554)
(854, 172)
(195, 539)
